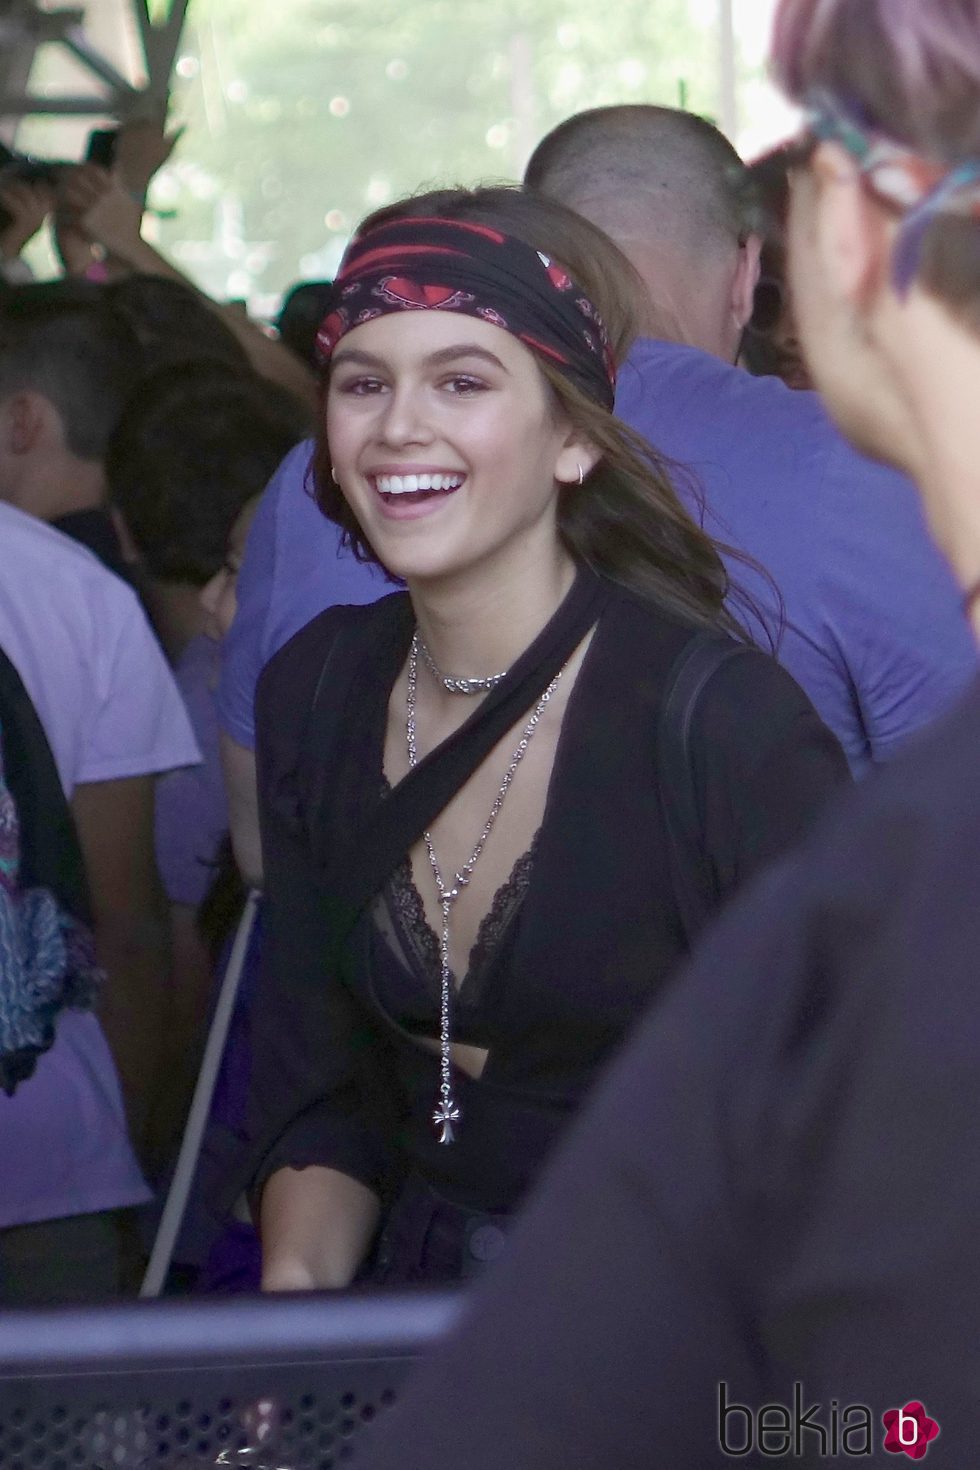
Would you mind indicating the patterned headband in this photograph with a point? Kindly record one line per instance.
(454, 265)
(922, 189)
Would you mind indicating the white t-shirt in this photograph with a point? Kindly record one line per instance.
(110, 708)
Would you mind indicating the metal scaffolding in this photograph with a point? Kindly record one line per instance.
(26, 27)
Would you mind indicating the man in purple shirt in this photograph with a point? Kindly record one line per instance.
(873, 630)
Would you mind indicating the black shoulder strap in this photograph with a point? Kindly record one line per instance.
(694, 887)
(50, 855)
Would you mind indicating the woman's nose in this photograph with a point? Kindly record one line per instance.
(405, 419)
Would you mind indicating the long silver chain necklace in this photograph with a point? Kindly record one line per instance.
(457, 686)
(447, 1111)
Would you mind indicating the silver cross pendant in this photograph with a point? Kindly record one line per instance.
(445, 1115)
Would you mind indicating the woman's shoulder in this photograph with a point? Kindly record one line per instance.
(655, 643)
(733, 686)
(314, 661)
(298, 663)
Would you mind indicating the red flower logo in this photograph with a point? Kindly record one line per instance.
(910, 1431)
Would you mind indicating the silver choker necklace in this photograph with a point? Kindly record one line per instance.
(451, 685)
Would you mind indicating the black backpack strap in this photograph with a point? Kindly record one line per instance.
(690, 869)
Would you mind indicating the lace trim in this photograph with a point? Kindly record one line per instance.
(408, 910)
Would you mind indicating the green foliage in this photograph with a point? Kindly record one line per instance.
(305, 115)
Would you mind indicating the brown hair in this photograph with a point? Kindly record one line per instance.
(912, 68)
(626, 521)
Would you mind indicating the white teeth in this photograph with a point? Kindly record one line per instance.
(409, 484)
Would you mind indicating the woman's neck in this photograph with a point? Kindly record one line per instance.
(480, 622)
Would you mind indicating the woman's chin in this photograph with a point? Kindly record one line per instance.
(413, 565)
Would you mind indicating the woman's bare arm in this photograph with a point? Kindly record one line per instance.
(316, 1225)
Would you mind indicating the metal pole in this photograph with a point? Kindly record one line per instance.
(727, 95)
(160, 43)
(22, 105)
(190, 1147)
(76, 41)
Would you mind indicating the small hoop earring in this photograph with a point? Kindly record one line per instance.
(333, 475)
(581, 473)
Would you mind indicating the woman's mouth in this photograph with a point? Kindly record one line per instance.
(405, 490)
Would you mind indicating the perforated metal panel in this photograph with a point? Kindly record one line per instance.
(273, 1421)
(253, 1404)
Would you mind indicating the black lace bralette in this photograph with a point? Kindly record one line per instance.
(419, 942)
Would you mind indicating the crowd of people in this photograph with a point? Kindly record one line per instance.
(591, 550)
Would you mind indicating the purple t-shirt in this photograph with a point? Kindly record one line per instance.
(191, 808)
(110, 710)
(874, 631)
(294, 567)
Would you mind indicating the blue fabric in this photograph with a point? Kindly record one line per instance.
(33, 961)
(874, 627)
(46, 962)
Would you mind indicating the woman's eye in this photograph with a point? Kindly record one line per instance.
(360, 387)
(461, 384)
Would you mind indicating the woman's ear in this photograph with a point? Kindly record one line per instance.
(576, 459)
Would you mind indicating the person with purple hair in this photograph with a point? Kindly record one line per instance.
(759, 1242)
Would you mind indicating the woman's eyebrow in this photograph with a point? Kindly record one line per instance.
(465, 349)
(346, 355)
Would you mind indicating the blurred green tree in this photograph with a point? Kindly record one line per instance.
(303, 116)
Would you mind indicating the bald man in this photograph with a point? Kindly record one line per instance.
(672, 192)
(873, 630)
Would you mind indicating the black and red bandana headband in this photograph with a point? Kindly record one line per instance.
(454, 265)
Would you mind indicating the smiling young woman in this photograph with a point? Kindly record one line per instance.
(441, 396)
(471, 888)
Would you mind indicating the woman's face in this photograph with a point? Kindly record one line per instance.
(835, 324)
(445, 442)
(218, 597)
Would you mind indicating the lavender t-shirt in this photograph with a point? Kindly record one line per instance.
(874, 631)
(109, 706)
